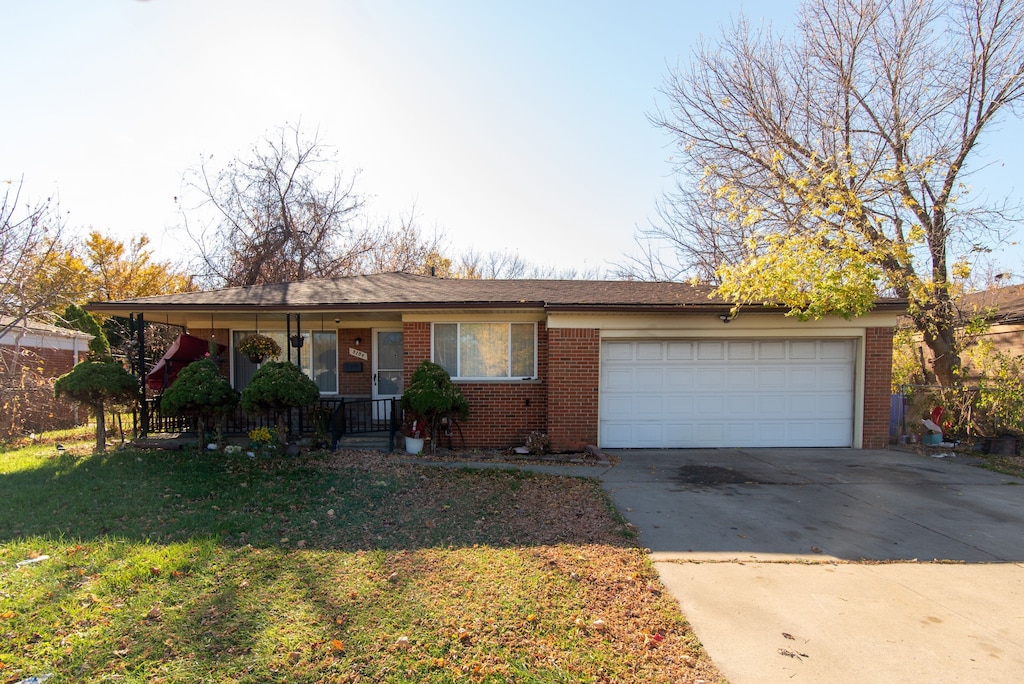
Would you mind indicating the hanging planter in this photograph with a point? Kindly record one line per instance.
(258, 348)
(296, 341)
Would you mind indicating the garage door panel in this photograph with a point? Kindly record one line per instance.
(710, 351)
(617, 351)
(743, 379)
(679, 351)
(617, 379)
(650, 351)
(649, 407)
(710, 378)
(741, 405)
(678, 406)
(648, 379)
(709, 405)
(678, 378)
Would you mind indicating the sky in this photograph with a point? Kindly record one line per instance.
(509, 126)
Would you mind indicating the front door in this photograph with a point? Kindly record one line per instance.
(388, 360)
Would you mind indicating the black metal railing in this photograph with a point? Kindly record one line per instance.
(329, 418)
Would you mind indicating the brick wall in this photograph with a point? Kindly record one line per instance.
(49, 362)
(355, 384)
(877, 387)
(501, 414)
(573, 382)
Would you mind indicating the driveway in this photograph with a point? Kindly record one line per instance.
(835, 565)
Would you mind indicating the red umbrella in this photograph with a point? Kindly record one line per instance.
(182, 352)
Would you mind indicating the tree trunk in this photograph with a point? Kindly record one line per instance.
(101, 428)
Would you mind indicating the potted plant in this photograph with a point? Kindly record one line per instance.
(431, 397)
(412, 430)
(259, 348)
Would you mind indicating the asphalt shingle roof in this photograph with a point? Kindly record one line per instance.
(408, 291)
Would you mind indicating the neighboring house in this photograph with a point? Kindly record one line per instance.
(54, 351)
(1003, 309)
(617, 364)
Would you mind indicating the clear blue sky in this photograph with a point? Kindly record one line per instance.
(516, 126)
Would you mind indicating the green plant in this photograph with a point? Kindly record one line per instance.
(275, 389)
(432, 396)
(200, 391)
(260, 347)
(95, 384)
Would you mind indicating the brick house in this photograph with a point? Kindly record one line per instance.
(617, 364)
(52, 350)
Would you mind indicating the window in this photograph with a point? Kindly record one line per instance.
(486, 350)
(318, 356)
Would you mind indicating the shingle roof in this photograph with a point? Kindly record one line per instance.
(408, 291)
(40, 328)
(998, 304)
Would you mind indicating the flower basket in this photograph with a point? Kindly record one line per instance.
(258, 348)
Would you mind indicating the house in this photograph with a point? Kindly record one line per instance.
(617, 364)
(1003, 309)
(54, 351)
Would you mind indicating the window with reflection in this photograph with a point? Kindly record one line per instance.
(486, 351)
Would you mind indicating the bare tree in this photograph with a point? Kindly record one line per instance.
(505, 265)
(282, 213)
(35, 272)
(840, 156)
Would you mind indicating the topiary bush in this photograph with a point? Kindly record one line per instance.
(275, 389)
(97, 384)
(432, 396)
(202, 392)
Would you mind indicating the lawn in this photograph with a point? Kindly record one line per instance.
(348, 567)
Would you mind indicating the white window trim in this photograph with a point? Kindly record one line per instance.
(458, 351)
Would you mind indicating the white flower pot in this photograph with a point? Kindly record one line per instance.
(413, 445)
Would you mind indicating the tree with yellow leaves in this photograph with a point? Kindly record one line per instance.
(822, 170)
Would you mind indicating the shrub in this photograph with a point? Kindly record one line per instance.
(432, 396)
(275, 389)
(96, 384)
(200, 391)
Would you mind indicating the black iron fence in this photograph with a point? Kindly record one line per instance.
(329, 419)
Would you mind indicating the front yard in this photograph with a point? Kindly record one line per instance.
(348, 567)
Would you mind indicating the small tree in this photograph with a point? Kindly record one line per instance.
(95, 384)
(200, 391)
(77, 318)
(275, 389)
(433, 396)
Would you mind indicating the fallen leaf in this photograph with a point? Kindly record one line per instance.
(337, 645)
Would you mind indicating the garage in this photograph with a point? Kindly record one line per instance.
(727, 393)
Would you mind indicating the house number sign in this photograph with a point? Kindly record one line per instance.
(358, 354)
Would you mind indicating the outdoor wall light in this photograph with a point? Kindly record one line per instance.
(725, 318)
(359, 341)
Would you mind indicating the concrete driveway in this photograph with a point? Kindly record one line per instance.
(835, 565)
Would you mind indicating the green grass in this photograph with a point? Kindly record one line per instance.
(185, 567)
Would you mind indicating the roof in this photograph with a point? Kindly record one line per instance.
(408, 291)
(39, 328)
(998, 304)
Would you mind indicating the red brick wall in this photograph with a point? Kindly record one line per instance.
(501, 413)
(49, 363)
(877, 387)
(355, 384)
(573, 382)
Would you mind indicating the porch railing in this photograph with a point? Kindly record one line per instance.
(329, 418)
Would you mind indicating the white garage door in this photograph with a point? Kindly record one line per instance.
(727, 393)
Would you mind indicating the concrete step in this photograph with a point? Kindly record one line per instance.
(372, 441)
